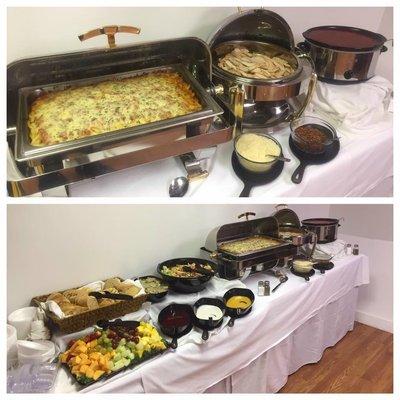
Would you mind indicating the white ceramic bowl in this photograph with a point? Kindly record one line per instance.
(21, 319)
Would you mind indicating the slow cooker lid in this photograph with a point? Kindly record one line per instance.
(259, 25)
(344, 38)
(320, 221)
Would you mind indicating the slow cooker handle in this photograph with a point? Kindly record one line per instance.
(303, 47)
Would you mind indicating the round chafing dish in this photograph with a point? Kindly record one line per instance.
(262, 103)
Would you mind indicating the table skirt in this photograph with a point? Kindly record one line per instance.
(269, 372)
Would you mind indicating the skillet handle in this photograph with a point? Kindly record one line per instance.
(205, 335)
(297, 176)
(231, 322)
(174, 343)
(246, 190)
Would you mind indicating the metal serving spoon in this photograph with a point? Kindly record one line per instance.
(178, 187)
(280, 158)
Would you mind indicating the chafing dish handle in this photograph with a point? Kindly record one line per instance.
(311, 85)
(110, 31)
(246, 215)
(236, 98)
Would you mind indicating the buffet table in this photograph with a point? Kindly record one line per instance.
(365, 161)
(362, 164)
(286, 330)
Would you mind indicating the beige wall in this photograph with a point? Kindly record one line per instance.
(55, 29)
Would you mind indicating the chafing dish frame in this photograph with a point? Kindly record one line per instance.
(245, 264)
(54, 173)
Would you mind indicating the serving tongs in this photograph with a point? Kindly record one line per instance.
(114, 296)
(104, 324)
(199, 270)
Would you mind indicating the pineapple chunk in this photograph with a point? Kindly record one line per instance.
(97, 374)
(77, 360)
(93, 343)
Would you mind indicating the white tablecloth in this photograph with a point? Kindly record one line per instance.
(365, 159)
(197, 367)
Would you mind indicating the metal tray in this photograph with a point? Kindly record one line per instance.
(24, 151)
(282, 243)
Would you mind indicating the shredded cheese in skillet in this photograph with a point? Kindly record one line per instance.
(89, 110)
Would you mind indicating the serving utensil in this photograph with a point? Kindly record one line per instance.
(279, 158)
(199, 269)
(178, 187)
(282, 279)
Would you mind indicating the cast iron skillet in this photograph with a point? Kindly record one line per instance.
(156, 297)
(312, 159)
(210, 324)
(175, 321)
(237, 312)
(252, 179)
(186, 285)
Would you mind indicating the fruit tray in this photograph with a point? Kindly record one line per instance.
(108, 351)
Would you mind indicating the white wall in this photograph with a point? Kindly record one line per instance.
(371, 226)
(55, 30)
(54, 247)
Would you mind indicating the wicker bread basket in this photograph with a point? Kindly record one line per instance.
(78, 322)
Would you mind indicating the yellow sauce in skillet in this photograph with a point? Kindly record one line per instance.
(241, 302)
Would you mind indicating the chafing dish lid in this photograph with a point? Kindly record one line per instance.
(260, 226)
(286, 217)
(259, 24)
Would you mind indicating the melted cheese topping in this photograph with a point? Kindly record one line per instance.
(248, 244)
(257, 148)
(79, 112)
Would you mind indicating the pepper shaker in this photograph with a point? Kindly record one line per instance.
(267, 288)
(356, 250)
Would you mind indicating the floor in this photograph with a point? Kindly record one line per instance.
(362, 362)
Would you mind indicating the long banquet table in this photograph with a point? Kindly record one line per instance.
(284, 331)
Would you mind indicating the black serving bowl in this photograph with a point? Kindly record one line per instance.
(210, 324)
(186, 285)
(237, 312)
(175, 321)
(155, 297)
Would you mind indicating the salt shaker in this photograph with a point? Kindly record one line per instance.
(348, 249)
(261, 289)
(356, 250)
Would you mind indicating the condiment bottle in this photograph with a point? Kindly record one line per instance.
(356, 250)
(267, 288)
(261, 289)
(348, 249)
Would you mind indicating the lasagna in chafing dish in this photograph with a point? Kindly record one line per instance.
(75, 113)
(249, 244)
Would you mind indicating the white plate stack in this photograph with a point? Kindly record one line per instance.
(12, 349)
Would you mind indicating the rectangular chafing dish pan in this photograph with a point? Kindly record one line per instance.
(24, 151)
(281, 243)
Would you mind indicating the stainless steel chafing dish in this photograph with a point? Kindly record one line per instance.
(266, 104)
(234, 266)
(290, 228)
(32, 170)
